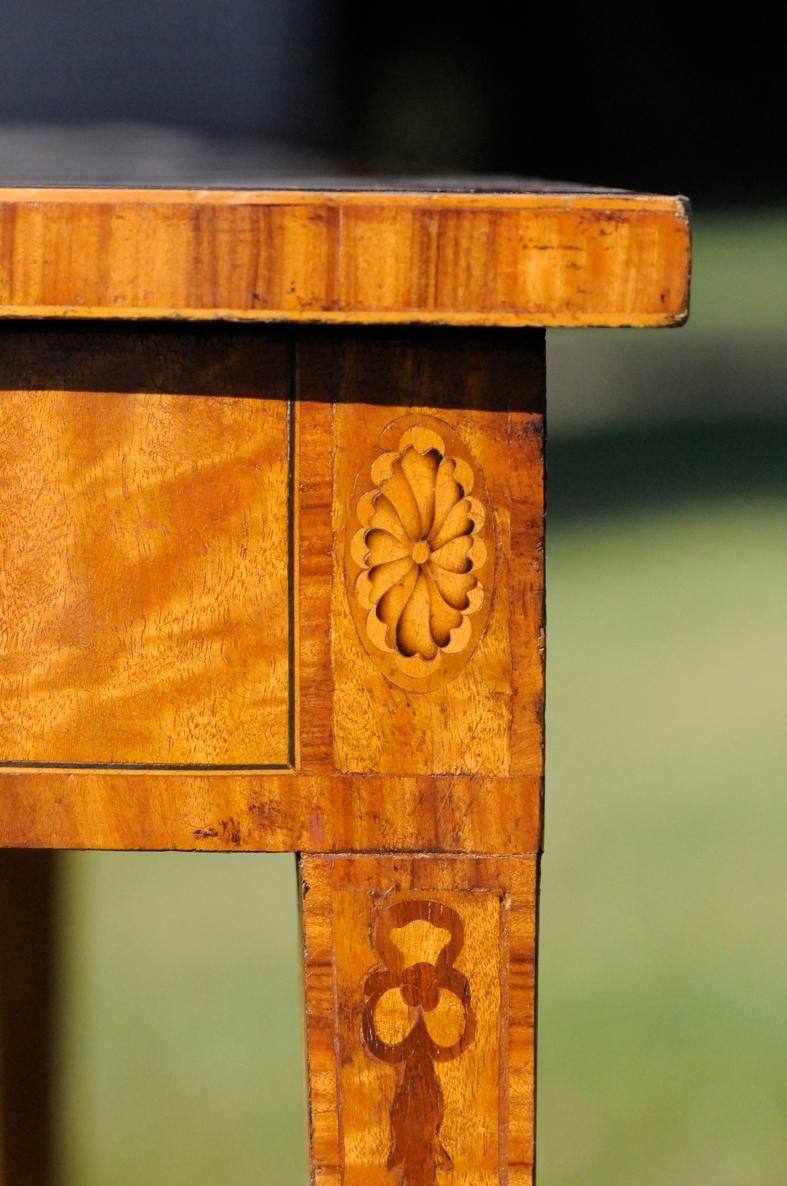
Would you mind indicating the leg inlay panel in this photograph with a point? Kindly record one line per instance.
(419, 975)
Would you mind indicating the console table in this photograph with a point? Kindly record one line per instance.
(272, 579)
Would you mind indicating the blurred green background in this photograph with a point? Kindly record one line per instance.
(663, 977)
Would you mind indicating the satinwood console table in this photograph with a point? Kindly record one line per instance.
(272, 579)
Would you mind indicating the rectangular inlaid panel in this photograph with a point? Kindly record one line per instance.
(146, 598)
(420, 1019)
(437, 607)
(190, 589)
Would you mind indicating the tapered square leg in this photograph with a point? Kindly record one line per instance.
(420, 975)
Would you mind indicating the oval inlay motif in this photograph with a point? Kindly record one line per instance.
(422, 555)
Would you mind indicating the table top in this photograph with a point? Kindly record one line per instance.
(257, 247)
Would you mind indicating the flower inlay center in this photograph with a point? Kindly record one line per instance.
(420, 549)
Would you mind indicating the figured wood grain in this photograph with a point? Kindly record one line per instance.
(268, 812)
(316, 558)
(509, 258)
(466, 756)
(528, 602)
(144, 542)
(473, 1105)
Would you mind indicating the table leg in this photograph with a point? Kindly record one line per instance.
(420, 1018)
(27, 924)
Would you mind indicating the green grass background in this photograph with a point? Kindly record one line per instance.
(663, 977)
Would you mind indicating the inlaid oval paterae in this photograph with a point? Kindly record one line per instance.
(424, 556)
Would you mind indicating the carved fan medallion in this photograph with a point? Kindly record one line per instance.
(422, 551)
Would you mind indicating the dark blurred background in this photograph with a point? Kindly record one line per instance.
(663, 977)
(640, 96)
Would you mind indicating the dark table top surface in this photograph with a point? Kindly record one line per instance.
(132, 156)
